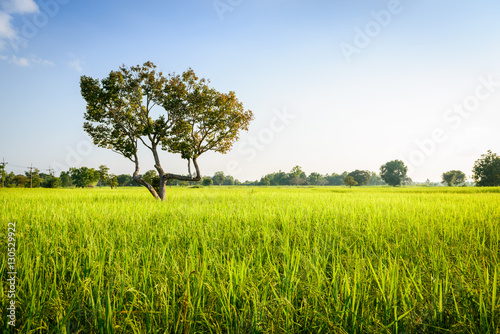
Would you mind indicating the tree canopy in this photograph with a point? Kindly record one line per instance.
(350, 181)
(487, 170)
(362, 177)
(103, 174)
(113, 181)
(194, 118)
(297, 176)
(219, 178)
(83, 177)
(453, 178)
(207, 181)
(394, 173)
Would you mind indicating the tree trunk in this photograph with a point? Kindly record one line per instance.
(139, 180)
(162, 190)
(148, 186)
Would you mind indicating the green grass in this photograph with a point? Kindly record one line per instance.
(255, 260)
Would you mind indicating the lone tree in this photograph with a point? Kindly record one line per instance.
(193, 119)
(487, 170)
(350, 181)
(453, 178)
(394, 172)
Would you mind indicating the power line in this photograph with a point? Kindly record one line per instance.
(51, 171)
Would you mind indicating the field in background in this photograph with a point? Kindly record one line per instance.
(254, 260)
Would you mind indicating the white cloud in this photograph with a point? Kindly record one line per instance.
(19, 61)
(2, 57)
(38, 60)
(19, 6)
(77, 64)
(31, 60)
(8, 7)
(6, 28)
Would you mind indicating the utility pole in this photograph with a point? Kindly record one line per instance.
(31, 175)
(50, 170)
(3, 163)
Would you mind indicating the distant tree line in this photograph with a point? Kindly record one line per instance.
(297, 177)
(75, 177)
(486, 172)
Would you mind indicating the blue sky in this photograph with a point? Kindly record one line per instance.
(334, 85)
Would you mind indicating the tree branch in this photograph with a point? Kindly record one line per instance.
(171, 176)
(139, 180)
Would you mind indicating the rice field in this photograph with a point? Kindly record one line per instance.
(254, 260)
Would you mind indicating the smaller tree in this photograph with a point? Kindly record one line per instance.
(65, 178)
(362, 177)
(394, 172)
(297, 176)
(207, 181)
(487, 170)
(264, 181)
(375, 180)
(124, 180)
(219, 178)
(453, 178)
(53, 182)
(279, 179)
(229, 181)
(407, 181)
(9, 180)
(350, 181)
(103, 175)
(113, 181)
(83, 177)
(336, 179)
(21, 181)
(316, 179)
